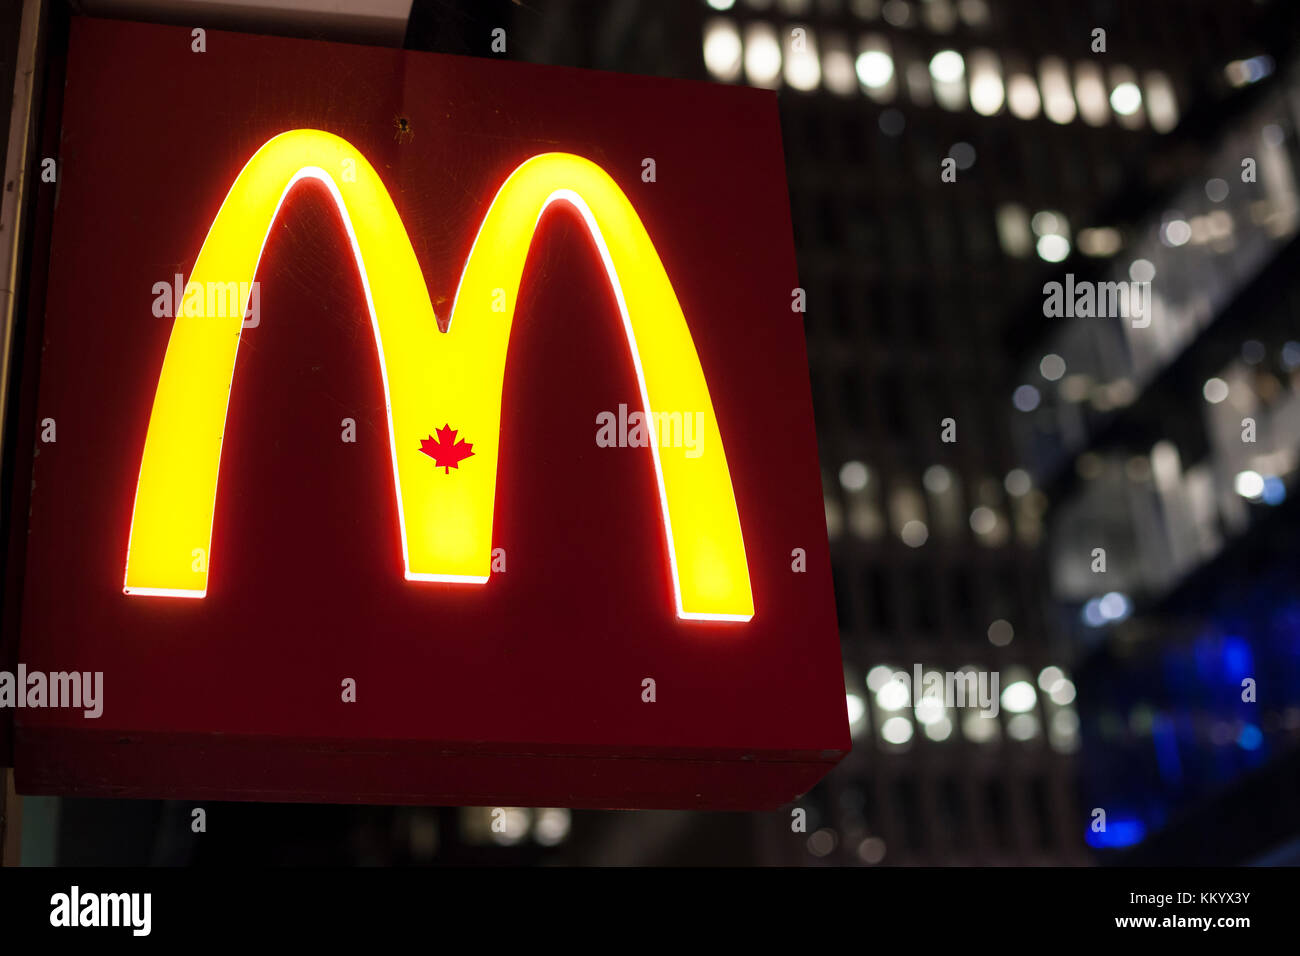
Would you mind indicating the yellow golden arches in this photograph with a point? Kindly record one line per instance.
(431, 378)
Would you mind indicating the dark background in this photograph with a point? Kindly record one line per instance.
(925, 302)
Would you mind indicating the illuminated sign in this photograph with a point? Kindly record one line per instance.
(430, 376)
(475, 465)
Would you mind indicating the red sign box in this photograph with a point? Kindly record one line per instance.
(533, 687)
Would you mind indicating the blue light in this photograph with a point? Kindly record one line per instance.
(1026, 398)
(1164, 735)
(1092, 615)
(1274, 490)
(1257, 67)
(1250, 737)
(1236, 658)
(1119, 832)
(1115, 606)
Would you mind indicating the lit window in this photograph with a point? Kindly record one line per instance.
(1019, 697)
(1175, 230)
(857, 711)
(722, 49)
(551, 826)
(762, 55)
(929, 707)
(1022, 96)
(1047, 223)
(893, 694)
(941, 729)
(1017, 481)
(1141, 270)
(1048, 677)
(1013, 230)
(1126, 98)
(837, 65)
(1001, 633)
(1064, 733)
(1249, 484)
(907, 514)
(918, 83)
(1058, 100)
(1062, 692)
(948, 70)
(854, 476)
(1245, 72)
(1053, 248)
(947, 66)
(879, 676)
(871, 850)
(937, 479)
(896, 730)
(914, 533)
(875, 68)
(939, 15)
(983, 520)
(974, 12)
(1162, 105)
(803, 69)
(897, 13)
(986, 92)
(1090, 90)
(1053, 231)
(1052, 367)
(978, 726)
(1099, 241)
(1022, 727)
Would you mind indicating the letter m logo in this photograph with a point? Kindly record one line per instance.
(431, 377)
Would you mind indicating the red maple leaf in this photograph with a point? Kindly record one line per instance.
(446, 452)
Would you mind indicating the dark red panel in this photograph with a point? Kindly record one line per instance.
(463, 692)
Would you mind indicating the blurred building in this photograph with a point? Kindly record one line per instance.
(926, 305)
(1170, 446)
